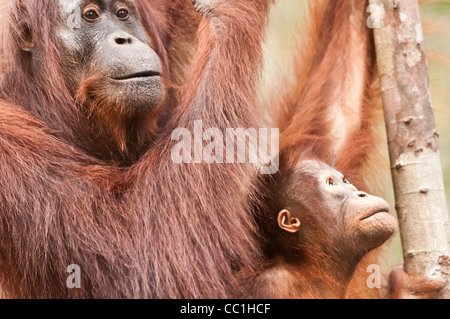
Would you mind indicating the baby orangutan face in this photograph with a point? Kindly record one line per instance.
(322, 203)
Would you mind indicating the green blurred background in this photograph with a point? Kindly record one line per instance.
(287, 18)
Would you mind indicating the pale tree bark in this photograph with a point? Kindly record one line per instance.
(412, 136)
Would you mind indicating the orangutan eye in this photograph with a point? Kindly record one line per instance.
(331, 182)
(122, 14)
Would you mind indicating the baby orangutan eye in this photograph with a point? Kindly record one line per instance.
(331, 182)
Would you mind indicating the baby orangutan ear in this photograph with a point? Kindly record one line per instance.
(287, 222)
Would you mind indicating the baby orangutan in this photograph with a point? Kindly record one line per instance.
(318, 227)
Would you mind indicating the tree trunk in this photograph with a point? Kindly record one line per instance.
(412, 136)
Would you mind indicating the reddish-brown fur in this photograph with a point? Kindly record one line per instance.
(339, 49)
(153, 229)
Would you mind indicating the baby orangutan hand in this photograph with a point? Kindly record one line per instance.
(404, 286)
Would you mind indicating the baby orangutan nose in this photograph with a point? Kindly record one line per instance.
(362, 194)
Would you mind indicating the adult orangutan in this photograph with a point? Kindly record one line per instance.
(85, 178)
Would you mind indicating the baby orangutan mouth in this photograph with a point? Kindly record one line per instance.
(376, 212)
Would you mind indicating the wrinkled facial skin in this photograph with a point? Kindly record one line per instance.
(104, 41)
(348, 217)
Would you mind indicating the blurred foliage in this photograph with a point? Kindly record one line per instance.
(286, 20)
